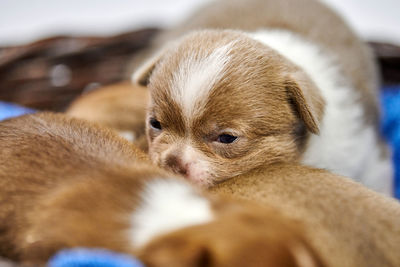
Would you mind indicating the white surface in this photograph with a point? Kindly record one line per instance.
(24, 21)
(372, 19)
(167, 205)
(27, 20)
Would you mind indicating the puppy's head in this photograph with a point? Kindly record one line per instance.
(223, 104)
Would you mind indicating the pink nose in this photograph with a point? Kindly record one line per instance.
(176, 165)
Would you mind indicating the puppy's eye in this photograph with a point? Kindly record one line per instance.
(226, 138)
(155, 124)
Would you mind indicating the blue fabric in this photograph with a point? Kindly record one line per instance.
(8, 110)
(83, 257)
(390, 98)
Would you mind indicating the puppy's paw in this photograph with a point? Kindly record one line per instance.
(250, 241)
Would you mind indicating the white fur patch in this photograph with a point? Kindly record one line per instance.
(345, 145)
(167, 205)
(128, 135)
(196, 77)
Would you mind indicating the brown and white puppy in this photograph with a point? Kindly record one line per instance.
(65, 183)
(121, 107)
(291, 82)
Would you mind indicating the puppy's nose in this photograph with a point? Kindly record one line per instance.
(176, 165)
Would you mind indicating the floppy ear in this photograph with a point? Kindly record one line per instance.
(142, 75)
(306, 98)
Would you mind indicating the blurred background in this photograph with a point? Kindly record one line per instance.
(23, 21)
(51, 51)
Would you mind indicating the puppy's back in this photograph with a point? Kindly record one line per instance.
(61, 136)
(348, 224)
(41, 151)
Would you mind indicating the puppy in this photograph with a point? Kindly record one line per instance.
(65, 183)
(121, 107)
(262, 82)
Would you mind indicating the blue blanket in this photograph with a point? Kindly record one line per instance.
(390, 98)
(83, 257)
(8, 110)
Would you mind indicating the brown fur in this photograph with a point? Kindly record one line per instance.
(66, 183)
(348, 224)
(242, 235)
(121, 107)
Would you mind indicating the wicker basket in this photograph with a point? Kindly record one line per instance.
(50, 73)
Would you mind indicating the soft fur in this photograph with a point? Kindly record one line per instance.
(276, 84)
(349, 224)
(66, 183)
(245, 235)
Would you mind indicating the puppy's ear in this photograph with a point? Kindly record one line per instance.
(142, 75)
(306, 99)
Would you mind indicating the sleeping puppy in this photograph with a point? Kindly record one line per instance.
(65, 183)
(121, 107)
(263, 82)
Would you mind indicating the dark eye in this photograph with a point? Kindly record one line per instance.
(155, 124)
(226, 138)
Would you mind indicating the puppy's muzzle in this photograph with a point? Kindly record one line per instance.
(174, 163)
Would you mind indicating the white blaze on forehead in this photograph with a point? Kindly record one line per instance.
(167, 205)
(195, 78)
